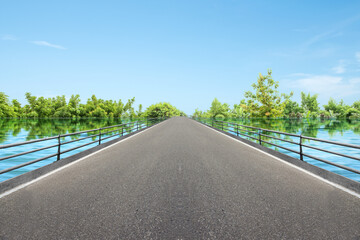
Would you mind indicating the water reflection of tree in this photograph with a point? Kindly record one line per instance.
(41, 128)
(306, 127)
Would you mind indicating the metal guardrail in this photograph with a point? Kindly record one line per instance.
(100, 133)
(260, 134)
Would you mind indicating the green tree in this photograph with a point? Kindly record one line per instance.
(17, 108)
(139, 113)
(219, 110)
(309, 103)
(292, 109)
(266, 101)
(356, 105)
(200, 114)
(74, 105)
(6, 110)
(162, 109)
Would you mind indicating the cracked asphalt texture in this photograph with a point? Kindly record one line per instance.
(179, 180)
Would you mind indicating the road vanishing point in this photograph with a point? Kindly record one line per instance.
(179, 180)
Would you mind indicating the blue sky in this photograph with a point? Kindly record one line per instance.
(182, 52)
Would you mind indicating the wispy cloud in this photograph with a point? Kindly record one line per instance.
(340, 68)
(357, 56)
(323, 36)
(9, 37)
(335, 31)
(47, 44)
(326, 85)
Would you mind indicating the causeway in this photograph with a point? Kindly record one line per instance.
(179, 180)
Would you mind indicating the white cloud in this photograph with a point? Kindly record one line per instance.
(340, 68)
(355, 80)
(326, 86)
(47, 44)
(357, 56)
(8, 37)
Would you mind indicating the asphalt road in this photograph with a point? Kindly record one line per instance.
(179, 180)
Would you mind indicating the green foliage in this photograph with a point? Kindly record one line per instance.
(218, 110)
(340, 110)
(58, 107)
(266, 101)
(162, 109)
(356, 105)
(239, 110)
(292, 109)
(5, 109)
(309, 103)
(200, 114)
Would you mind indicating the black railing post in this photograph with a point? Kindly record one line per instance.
(301, 151)
(99, 136)
(237, 130)
(59, 144)
(259, 133)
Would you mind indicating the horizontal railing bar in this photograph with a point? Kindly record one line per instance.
(76, 140)
(324, 150)
(288, 149)
(115, 125)
(26, 142)
(121, 125)
(249, 136)
(332, 142)
(334, 164)
(27, 163)
(249, 131)
(104, 133)
(76, 133)
(247, 126)
(71, 149)
(110, 136)
(289, 134)
(232, 131)
(31, 151)
(288, 141)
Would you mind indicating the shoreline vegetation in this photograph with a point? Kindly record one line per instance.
(59, 108)
(266, 102)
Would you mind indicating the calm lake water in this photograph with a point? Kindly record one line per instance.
(14, 131)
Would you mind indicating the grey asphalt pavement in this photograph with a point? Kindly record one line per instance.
(179, 180)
